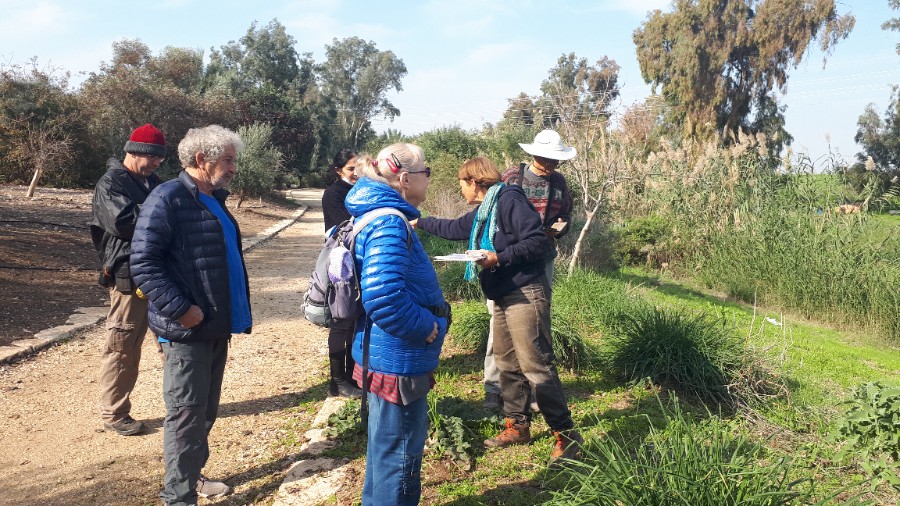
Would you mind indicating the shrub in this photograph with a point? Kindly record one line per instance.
(871, 430)
(709, 462)
(258, 163)
(692, 354)
(641, 238)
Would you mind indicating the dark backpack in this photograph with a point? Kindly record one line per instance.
(333, 291)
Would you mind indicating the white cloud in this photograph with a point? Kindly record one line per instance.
(27, 20)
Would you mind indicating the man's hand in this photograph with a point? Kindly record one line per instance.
(434, 333)
(192, 317)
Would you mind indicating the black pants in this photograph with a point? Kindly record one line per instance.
(340, 348)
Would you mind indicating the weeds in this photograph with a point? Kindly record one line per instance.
(706, 462)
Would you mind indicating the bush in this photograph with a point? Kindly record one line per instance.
(710, 462)
(258, 163)
(471, 324)
(642, 240)
(692, 354)
(871, 430)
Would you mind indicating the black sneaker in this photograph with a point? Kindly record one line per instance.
(343, 388)
(126, 427)
(492, 400)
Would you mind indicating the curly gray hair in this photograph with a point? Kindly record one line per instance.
(210, 140)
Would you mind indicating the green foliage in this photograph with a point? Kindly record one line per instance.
(871, 430)
(880, 139)
(449, 435)
(258, 163)
(693, 354)
(357, 77)
(705, 462)
(345, 421)
(471, 324)
(640, 238)
(718, 62)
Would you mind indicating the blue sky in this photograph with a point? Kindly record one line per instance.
(465, 57)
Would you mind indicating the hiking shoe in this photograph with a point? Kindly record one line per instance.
(493, 400)
(567, 446)
(126, 427)
(513, 434)
(211, 489)
(343, 388)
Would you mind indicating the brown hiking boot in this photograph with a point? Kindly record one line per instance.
(513, 434)
(567, 446)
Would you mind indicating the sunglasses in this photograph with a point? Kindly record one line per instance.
(427, 172)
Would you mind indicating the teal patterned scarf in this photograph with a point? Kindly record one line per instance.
(484, 216)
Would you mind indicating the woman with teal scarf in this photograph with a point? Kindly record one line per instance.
(507, 231)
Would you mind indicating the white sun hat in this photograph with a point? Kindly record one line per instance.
(548, 144)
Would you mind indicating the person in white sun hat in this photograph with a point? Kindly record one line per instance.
(548, 192)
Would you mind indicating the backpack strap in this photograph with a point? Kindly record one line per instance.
(358, 225)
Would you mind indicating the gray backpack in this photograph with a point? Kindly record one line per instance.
(333, 291)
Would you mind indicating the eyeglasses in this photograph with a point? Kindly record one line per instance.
(427, 172)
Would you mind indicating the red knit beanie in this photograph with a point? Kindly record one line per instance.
(146, 140)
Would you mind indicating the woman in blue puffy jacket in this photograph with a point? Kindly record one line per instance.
(409, 319)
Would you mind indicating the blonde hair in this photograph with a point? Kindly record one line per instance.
(380, 168)
(481, 170)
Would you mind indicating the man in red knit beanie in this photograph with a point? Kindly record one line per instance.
(117, 199)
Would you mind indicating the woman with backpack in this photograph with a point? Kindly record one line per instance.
(506, 231)
(399, 340)
(341, 331)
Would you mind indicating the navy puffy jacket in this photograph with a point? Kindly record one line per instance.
(522, 246)
(398, 284)
(178, 259)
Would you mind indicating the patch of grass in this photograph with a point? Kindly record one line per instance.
(692, 354)
(471, 324)
(710, 461)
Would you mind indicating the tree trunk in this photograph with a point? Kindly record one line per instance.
(38, 172)
(584, 230)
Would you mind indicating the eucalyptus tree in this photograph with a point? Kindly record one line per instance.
(356, 78)
(719, 63)
(273, 84)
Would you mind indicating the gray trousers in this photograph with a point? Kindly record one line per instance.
(491, 371)
(192, 385)
(126, 327)
(524, 353)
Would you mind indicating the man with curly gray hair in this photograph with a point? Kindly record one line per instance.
(186, 258)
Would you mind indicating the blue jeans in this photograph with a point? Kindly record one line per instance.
(394, 452)
(192, 384)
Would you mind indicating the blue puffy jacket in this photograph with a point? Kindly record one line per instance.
(178, 259)
(398, 285)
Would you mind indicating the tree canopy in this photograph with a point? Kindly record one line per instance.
(356, 77)
(719, 62)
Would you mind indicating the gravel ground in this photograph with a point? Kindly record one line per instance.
(53, 450)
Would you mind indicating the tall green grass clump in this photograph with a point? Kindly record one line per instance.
(471, 324)
(767, 230)
(692, 354)
(827, 267)
(710, 462)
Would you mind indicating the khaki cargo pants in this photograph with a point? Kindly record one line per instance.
(126, 327)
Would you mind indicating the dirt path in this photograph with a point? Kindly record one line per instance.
(53, 450)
